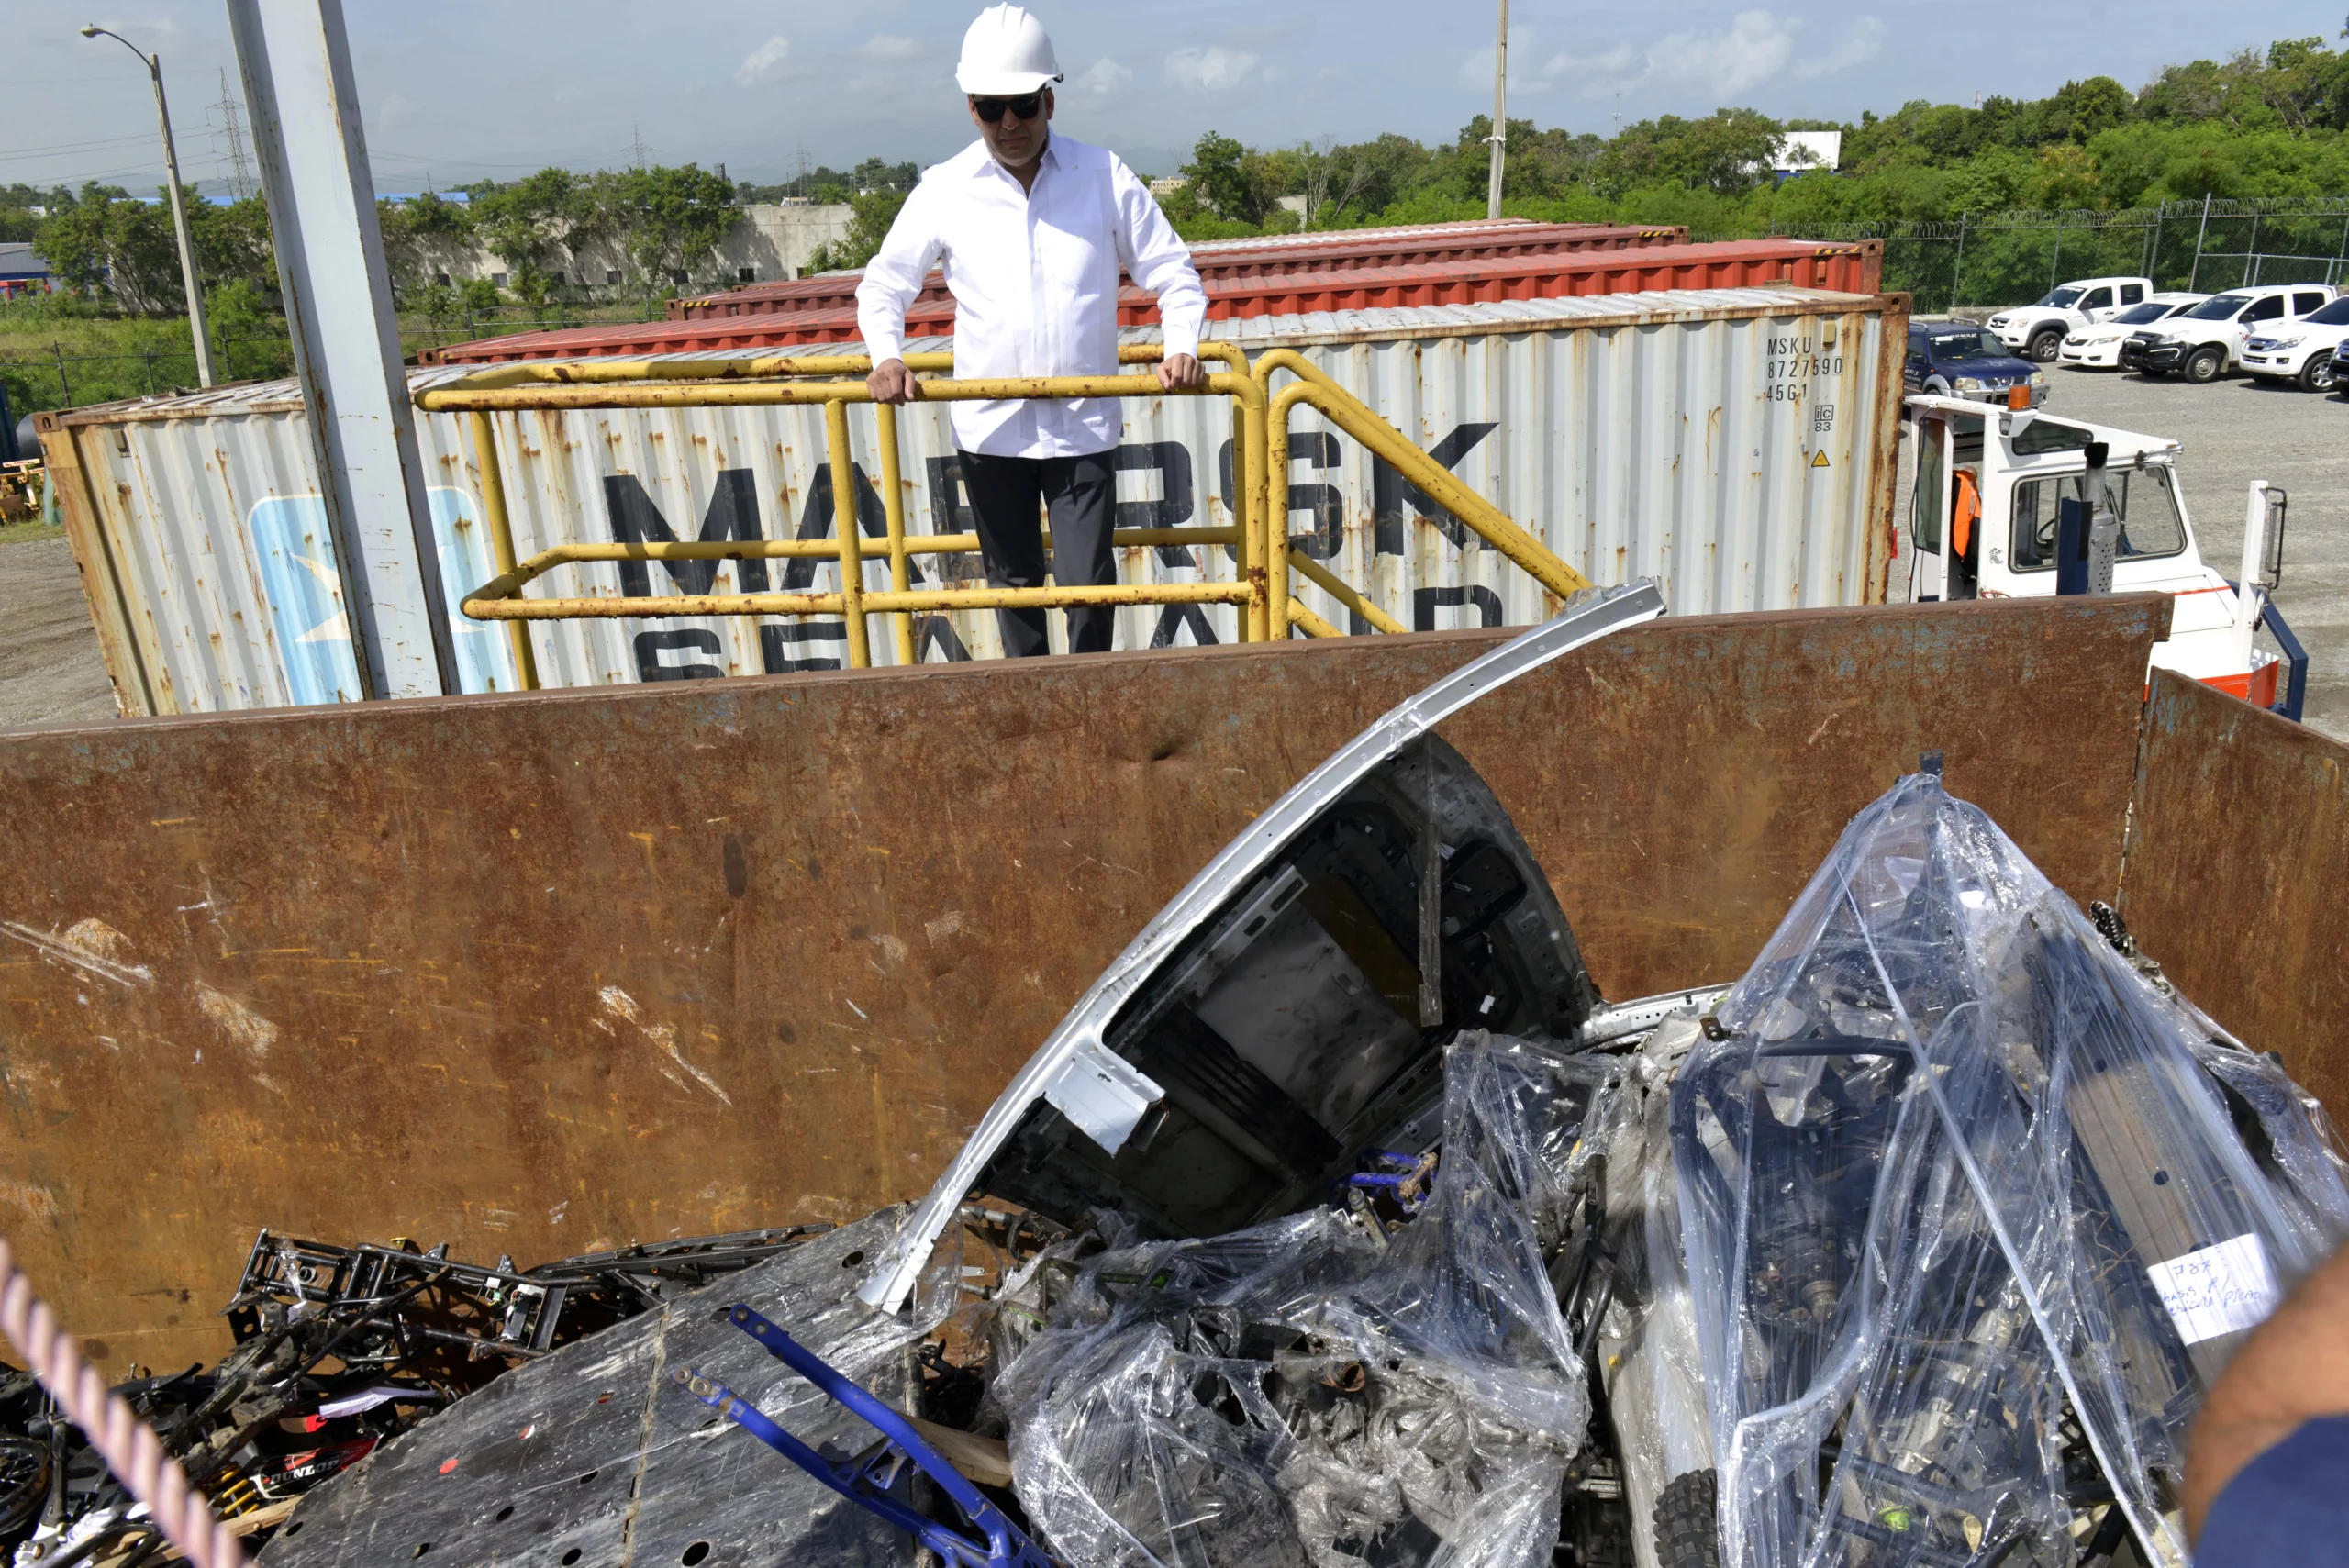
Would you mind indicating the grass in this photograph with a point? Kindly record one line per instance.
(30, 532)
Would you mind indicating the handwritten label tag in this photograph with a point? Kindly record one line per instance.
(2218, 1290)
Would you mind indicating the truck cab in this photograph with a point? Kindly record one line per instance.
(1983, 516)
(2038, 330)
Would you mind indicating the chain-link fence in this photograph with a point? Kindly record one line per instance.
(2206, 247)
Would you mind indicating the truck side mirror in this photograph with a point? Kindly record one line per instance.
(2271, 550)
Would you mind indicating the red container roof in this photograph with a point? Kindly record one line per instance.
(1854, 267)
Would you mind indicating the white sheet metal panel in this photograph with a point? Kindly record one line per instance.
(1731, 443)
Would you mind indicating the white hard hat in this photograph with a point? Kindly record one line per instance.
(1005, 54)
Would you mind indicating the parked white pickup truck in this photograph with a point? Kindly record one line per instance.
(2300, 351)
(2037, 331)
(2207, 340)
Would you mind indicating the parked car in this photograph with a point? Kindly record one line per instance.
(1957, 358)
(2039, 330)
(2300, 352)
(2098, 347)
(2206, 340)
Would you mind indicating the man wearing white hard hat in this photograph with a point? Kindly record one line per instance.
(1031, 228)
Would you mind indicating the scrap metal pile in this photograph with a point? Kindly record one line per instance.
(1343, 1223)
(337, 1350)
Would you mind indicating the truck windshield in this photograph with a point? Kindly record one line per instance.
(2142, 314)
(1968, 343)
(2334, 315)
(2140, 499)
(2062, 298)
(2218, 308)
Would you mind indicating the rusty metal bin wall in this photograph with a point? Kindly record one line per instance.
(1735, 444)
(539, 973)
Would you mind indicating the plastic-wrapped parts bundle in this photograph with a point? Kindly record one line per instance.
(1312, 1389)
(1971, 1225)
(1649, 1359)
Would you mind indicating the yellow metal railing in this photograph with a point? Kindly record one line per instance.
(1436, 481)
(1259, 533)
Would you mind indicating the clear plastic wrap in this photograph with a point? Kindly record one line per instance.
(1970, 1221)
(1311, 1390)
(1649, 1358)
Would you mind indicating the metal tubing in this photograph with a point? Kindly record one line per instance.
(576, 386)
(1314, 624)
(484, 607)
(1343, 592)
(893, 507)
(1437, 482)
(601, 372)
(860, 647)
(500, 524)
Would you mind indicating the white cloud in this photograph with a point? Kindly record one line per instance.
(1865, 39)
(763, 63)
(1756, 47)
(1102, 78)
(891, 48)
(1214, 69)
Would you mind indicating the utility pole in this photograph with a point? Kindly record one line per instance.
(240, 174)
(1499, 139)
(188, 280)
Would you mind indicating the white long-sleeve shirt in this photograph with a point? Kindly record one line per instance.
(1034, 275)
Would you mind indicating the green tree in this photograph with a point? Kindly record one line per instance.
(868, 225)
(418, 234)
(671, 219)
(105, 240)
(1226, 181)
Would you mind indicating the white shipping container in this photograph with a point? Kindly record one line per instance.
(1737, 444)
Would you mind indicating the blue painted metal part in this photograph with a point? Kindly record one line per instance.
(2295, 659)
(865, 1479)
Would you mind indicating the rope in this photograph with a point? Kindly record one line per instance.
(128, 1444)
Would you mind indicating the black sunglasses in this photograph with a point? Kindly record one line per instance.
(992, 110)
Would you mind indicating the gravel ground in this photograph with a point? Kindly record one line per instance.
(2235, 431)
(50, 671)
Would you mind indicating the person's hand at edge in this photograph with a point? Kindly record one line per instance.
(1182, 372)
(890, 381)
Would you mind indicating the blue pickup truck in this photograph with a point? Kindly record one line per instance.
(1957, 358)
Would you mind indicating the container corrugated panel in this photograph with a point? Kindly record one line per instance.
(1853, 268)
(1735, 444)
(1235, 259)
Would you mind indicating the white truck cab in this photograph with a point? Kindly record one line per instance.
(2037, 331)
(1983, 524)
(2207, 340)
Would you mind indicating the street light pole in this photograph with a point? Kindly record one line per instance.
(188, 279)
(1500, 138)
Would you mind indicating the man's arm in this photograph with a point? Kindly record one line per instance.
(2294, 1367)
(1161, 263)
(892, 281)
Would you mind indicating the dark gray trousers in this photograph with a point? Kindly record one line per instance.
(1081, 492)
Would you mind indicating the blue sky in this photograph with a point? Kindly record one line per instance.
(457, 90)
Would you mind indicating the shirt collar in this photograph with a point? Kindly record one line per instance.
(987, 164)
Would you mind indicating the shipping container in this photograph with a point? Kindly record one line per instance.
(1242, 258)
(1852, 268)
(1738, 445)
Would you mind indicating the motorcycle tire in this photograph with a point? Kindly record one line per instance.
(1687, 1521)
